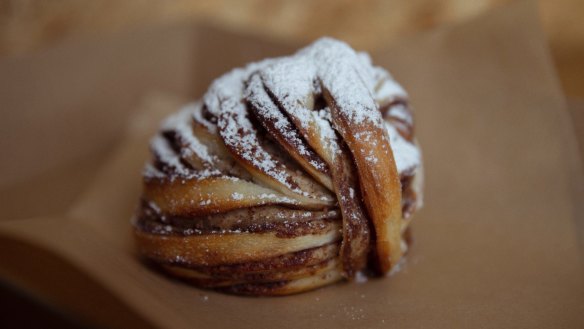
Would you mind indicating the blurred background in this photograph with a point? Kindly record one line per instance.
(28, 25)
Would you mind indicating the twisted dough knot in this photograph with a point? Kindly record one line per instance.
(287, 176)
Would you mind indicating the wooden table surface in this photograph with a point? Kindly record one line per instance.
(26, 25)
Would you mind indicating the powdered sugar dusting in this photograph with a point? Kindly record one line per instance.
(326, 132)
(401, 112)
(406, 154)
(293, 132)
(150, 171)
(356, 88)
(346, 80)
(293, 83)
(181, 125)
(389, 90)
(167, 156)
(197, 115)
(236, 196)
(262, 102)
(240, 135)
(171, 165)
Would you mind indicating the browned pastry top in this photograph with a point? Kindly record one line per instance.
(286, 143)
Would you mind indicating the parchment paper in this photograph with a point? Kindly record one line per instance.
(495, 246)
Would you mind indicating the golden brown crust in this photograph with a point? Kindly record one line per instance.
(284, 177)
(281, 283)
(379, 181)
(228, 248)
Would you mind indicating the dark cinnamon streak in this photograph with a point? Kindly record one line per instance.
(307, 257)
(404, 127)
(317, 205)
(310, 156)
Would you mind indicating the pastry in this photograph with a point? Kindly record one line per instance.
(289, 174)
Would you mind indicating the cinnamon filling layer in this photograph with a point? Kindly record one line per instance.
(290, 174)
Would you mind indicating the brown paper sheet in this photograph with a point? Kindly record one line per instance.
(495, 246)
